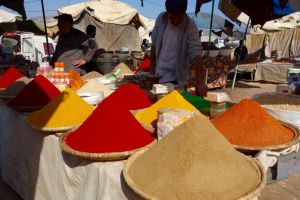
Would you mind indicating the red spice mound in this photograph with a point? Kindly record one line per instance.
(111, 127)
(129, 97)
(9, 77)
(248, 124)
(38, 92)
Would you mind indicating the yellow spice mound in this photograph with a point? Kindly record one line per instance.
(68, 109)
(172, 100)
(194, 161)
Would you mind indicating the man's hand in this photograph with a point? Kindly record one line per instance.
(78, 63)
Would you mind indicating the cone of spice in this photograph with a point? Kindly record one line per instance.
(248, 124)
(93, 86)
(38, 93)
(112, 128)
(15, 88)
(193, 161)
(10, 76)
(172, 100)
(92, 75)
(63, 113)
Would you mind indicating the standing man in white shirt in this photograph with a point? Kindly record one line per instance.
(176, 47)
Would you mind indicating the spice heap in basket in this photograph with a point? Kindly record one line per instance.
(111, 132)
(10, 76)
(63, 113)
(193, 161)
(284, 102)
(173, 100)
(38, 93)
(248, 124)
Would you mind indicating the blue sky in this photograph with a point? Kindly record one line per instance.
(151, 8)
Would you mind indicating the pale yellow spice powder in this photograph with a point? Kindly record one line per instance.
(94, 86)
(194, 161)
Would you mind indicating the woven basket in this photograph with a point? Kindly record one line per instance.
(97, 156)
(52, 130)
(295, 140)
(249, 196)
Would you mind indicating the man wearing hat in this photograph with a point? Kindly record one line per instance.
(74, 47)
(176, 47)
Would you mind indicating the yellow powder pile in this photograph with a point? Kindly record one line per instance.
(92, 75)
(194, 161)
(67, 110)
(125, 70)
(14, 89)
(95, 86)
(172, 100)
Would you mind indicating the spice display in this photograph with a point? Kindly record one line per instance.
(111, 127)
(129, 97)
(194, 161)
(248, 124)
(92, 75)
(37, 93)
(172, 100)
(15, 88)
(10, 76)
(67, 110)
(94, 86)
(279, 101)
(200, 103)
(125, 70)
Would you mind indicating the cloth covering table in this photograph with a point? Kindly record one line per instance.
(32, 163)
(276, 73)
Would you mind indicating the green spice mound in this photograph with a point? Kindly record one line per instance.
(194, 161)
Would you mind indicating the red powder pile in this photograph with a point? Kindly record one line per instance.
(9, 77)
(38, 92)
(129, 97)
(111, 127)
(248, 124)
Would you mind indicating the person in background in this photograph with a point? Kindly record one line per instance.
(74, 47)
(145, 44)
(241, 52)
(176, 47)
(89, 66)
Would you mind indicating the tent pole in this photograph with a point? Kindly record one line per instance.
(45, 26)
(209, 37)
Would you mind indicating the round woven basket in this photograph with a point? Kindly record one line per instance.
(52, 130)
(248, 196)
(295, 140)
(97, 156)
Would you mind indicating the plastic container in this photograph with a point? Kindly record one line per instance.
(217, 109)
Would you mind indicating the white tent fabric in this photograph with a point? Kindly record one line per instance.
(149, 25)
(289, 21)
(7, 17)
(106, 11)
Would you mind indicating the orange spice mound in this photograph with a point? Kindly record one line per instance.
(248, 124)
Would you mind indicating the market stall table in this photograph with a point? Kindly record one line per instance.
(270, 72)
(33, 164)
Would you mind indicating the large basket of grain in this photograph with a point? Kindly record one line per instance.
(284, 107)
(194, 161)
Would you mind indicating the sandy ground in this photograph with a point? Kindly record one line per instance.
(288, 189)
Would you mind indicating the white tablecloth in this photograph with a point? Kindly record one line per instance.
(33, 164)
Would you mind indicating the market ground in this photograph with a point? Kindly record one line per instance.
(288, 189)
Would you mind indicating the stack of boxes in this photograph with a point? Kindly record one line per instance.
(58, 77)
(168, 119)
